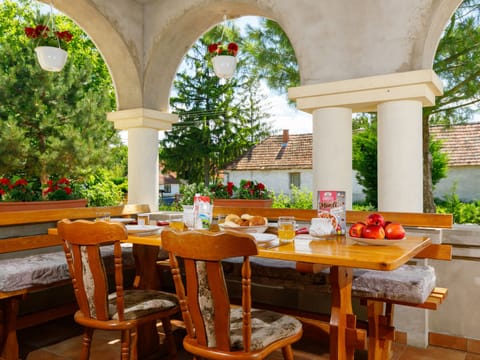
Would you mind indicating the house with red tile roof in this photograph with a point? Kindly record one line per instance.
(281, 160)
(462, 144)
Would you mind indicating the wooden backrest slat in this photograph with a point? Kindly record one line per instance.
(39, 216)
(436, 251)
(28, 243)
(404, 218)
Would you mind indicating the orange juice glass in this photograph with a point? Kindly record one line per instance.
(286, 229)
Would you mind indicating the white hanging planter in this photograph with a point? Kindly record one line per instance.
(51, 58)
(224, 65)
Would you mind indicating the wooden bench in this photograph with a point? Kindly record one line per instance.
(379, 310)
(26, 232)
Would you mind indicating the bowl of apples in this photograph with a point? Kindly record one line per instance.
(376, 231)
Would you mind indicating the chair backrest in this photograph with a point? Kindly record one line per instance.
(82, 240)
(206, 305)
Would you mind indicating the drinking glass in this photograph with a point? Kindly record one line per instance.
(176, 223)
(286, 229)
(102, 216)
(188, 217)
(143, 219)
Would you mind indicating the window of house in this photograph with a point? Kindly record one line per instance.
(167, 188)
(294, 179)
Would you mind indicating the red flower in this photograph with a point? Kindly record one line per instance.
(220, 49)
(212, 48)
(64, 35)
(20, 182)
(46, 37)
(233, 48)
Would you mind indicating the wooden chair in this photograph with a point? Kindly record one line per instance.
(215, 330)
(123, 310)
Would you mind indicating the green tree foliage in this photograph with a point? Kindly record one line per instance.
(218, 120)
(364, 159)
(457, 63)
(51, 124)
(272, 55)
(299, 199)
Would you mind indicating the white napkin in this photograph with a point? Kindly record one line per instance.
(321, 226)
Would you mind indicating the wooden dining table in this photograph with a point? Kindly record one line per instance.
(342, 254)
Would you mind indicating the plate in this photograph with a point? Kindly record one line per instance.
(248, 229)
(376, 242)
(262, 238)
(143, 229)
(123, 220)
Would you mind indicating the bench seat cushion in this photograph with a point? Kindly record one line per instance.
(47, 268)
(271, 272)
(408, 283)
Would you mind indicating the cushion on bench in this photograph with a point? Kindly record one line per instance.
(273, 272)
(408, 283)
(43, 269)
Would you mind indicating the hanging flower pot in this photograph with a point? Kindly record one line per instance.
(51, 58)
(224, 65)
(48, 45)
(224, 59)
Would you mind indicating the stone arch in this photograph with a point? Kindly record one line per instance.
(190, 24)
(121, 56)
(439, 21)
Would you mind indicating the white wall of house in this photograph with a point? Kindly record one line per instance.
(278, 180)
(466, 179)
(467, 182)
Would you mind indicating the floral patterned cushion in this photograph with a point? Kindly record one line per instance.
(267, 327)
(47, 268)
(139, 303)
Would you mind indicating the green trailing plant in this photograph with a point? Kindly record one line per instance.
(299, 199)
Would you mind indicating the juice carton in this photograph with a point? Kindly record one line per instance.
(331, 204)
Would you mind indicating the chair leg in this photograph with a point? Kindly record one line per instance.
(86, 344)
(287, 352)
(134, 344)
(169, 339)
(125, 351)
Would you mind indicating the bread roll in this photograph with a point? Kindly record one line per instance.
(246, 217)
(232, 218)
(256, 221)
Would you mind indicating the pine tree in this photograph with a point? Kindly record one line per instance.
(219, 120)
(51, 124)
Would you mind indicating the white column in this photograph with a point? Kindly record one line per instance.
(400, 186)
(399, 157)
(143, 167)
(143, 126)
(332, 151)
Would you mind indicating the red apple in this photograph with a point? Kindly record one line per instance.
(394, 231)
(375, 219)
(356, 229)
(372, 231)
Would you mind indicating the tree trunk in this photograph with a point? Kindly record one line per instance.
(428, 202)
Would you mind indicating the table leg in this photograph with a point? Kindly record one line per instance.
(146, 277)
(342, 319)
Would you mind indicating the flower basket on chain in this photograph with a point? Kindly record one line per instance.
(224, 59)
(50, 54)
